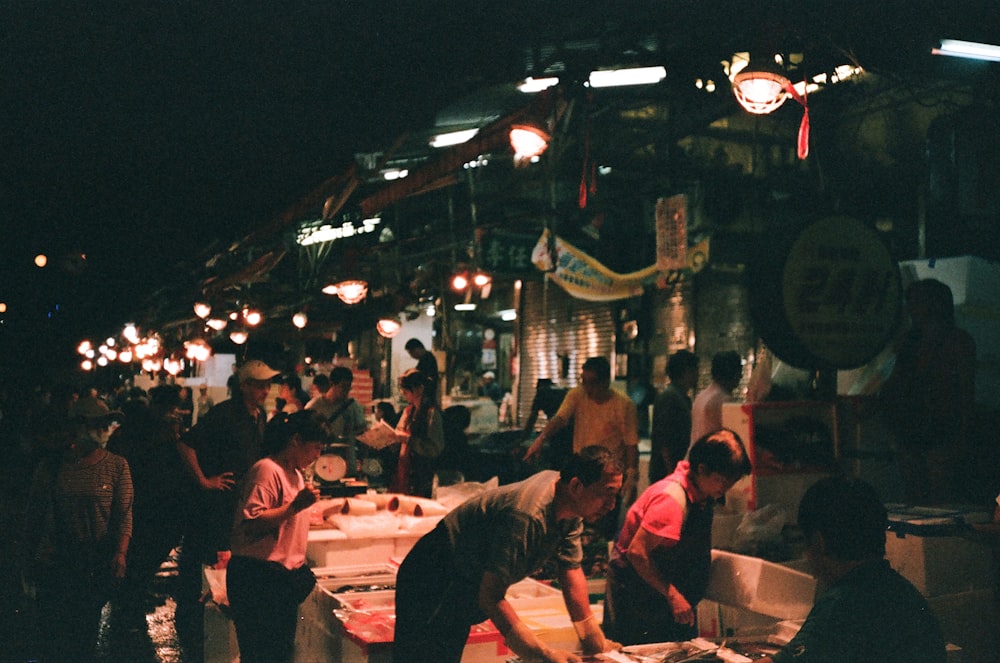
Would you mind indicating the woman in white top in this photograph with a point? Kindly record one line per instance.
(267, 577)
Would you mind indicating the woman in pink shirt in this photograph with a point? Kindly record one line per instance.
(267, 577)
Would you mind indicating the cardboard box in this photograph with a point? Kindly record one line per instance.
(791, 446)
(928, 549)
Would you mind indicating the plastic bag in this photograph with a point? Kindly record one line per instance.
(760, 533)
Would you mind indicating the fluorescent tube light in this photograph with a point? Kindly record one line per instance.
(621, 77)
(453, 138)
(531, 85)
(968, 49)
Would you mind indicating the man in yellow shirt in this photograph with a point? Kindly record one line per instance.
(601, 416)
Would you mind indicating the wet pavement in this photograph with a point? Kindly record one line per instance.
(119, 641)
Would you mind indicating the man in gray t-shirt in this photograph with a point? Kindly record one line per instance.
(458, 574)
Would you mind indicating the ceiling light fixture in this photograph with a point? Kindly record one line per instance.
(528, 140)
(629, 76)
(351, 291)
(453, 138)
(388, 327)
(252, 317)
(760, 89)
(968, 49)
(531, 85)
(300, 320)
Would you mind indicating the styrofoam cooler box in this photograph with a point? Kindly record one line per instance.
(332, 547)
(718, 621)
(319, 635)
(754, 584)
(927, 547)
(366, 620)
(530, 593)
(553, 626)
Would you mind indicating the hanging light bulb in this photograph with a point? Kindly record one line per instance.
(528, 140)
(202, 310)
(300, 320)
(218, 324)
(252, 316)
(197, 350)
(125, 356)
(238, 336)
(760, 88)
(351, 291)
(131, 334)
(388, 327)
(480, 279)
(460, 281)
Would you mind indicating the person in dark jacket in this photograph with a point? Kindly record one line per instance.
(866, 612)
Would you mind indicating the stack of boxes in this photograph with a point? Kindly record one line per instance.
(934, 549)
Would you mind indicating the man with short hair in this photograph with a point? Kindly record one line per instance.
(458, 574)
(217, 453)
(426, 363)
(706, 412)
(343, 417)
(601, 416)
(671, 431)
(865, 610)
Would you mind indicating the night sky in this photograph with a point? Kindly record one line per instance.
(137, 134)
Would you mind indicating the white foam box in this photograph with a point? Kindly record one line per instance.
(539, 605)
(328, 547)
(931, 554)
(554, 626)
(718, 620)
(754, 584)
(318, 638)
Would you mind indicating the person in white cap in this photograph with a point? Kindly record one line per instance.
(489, 387)
(218, 452)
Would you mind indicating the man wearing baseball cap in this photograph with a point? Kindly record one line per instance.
(217, 452)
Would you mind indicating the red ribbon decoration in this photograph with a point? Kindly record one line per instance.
(803, 143)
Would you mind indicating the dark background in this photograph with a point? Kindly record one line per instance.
(138, 136)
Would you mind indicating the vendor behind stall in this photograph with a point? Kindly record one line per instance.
(660, 562)
(458, 574)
